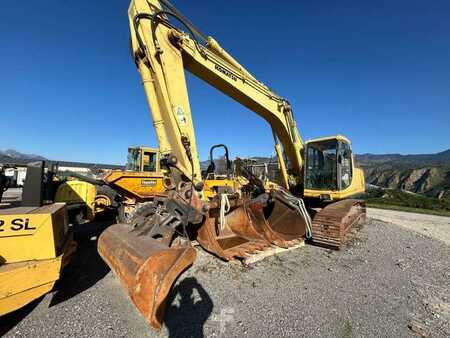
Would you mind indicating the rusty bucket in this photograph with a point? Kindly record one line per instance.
(237, 238)
(146, 267)
(280, 220)
(250, 226)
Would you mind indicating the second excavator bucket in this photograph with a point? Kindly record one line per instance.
(252, 225)
(235, 237)
(145, 266)
(279, 218)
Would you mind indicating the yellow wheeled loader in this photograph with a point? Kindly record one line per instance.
(35, 244)
(148, 255)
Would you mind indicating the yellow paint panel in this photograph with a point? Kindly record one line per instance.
(15, 302)
(77, 191)
(138, 184)
(19, 277)
(23, 282)
(210, 187)
(36, 234)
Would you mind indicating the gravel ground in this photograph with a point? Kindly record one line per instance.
(390, 281)
(437, 227)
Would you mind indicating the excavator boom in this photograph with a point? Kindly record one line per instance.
(162, 52)
(154, 248)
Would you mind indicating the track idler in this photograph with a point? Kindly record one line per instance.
(252, 225)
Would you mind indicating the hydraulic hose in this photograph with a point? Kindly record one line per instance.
(155, 20)
(300, 205)
(187, 22)
(85, 178)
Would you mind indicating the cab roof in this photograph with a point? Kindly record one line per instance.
(337, 137)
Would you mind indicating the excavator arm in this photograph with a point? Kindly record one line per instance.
(150, 253)
(162, 52)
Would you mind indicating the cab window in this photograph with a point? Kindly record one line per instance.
(345, 164)
(133, 160)
(149, 161)
(321, 168)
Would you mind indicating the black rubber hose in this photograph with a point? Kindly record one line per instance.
(85, 178)
(155, 20)
(187, 22)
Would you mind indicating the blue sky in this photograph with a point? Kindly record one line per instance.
(375, 71)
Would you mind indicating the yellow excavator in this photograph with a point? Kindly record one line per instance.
(148, 255)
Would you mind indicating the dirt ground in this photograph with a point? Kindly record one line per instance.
(392, 280)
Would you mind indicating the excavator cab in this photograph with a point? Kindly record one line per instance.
(331, 175)
(330, 172)
(141, 180)
(143, 159)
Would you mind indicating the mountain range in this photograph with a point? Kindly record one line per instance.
(14, 156)
(419, 160)
(427, 174)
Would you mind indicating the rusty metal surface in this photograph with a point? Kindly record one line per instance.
(332, 223)
(253, 226)
(279, 221)
(145, 267)
(237, 239)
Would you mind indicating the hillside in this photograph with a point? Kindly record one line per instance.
(13, 156)
(430, 181)
(427, 174)
(412, 161)
(405, 200)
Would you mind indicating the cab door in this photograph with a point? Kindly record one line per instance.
(345, 166)
(149, 161)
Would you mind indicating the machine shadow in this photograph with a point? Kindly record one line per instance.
(185, 315)
(7, 322)
(86, 267)
(85, 270)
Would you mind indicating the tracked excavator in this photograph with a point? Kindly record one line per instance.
(147, 256)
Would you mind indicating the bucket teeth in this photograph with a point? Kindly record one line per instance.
(147, 267)
(245, 250)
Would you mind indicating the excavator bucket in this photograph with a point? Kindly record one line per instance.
(280, 218)
(251, 226)
(236, 237)
(145, 266)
